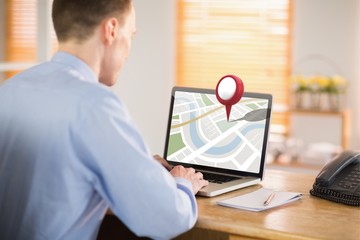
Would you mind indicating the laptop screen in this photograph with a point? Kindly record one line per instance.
(200, 136)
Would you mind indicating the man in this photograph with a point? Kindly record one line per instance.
(68, 148)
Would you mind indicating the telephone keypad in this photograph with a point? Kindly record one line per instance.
(351, 181)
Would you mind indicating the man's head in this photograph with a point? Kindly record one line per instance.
(77, 19)
(108, 25)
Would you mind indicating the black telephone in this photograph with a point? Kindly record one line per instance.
(339, 180)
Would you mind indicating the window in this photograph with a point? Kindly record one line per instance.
(25, 32)
(21, 30)
(248, 38)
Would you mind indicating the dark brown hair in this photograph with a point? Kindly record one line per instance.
(77, 19)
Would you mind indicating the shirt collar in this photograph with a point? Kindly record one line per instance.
(84, 71)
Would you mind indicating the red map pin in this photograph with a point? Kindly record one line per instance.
(229, 91)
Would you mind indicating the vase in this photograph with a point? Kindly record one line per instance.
(331, 102)
(335, 101)
(315, 101)
(299, 100)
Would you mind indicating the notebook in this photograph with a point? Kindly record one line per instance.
(255, 201)
(231, 154)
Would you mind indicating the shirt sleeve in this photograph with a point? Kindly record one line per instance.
(137, 188)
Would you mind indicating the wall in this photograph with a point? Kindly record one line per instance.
(329, 29)
(148, 75)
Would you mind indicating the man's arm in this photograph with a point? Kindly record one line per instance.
(163, 162)
(149, 200)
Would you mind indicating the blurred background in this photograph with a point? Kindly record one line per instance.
(304, 52)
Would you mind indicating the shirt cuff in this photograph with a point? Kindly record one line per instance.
(184, 182)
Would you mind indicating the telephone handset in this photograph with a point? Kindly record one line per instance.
(339, 180)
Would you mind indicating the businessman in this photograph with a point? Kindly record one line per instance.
(69, 149)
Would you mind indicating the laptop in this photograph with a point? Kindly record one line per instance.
(230, 154)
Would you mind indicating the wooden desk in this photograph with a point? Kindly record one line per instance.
(309, 218)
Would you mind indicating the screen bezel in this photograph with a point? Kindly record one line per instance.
(214, 169)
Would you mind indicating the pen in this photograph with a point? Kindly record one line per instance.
(268, 200)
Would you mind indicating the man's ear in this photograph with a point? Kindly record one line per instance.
(110, 29)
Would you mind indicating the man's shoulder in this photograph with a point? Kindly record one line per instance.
(61, 83)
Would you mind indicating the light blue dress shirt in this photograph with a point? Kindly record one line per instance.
(69, 151)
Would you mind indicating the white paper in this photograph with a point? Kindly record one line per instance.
(254, 201)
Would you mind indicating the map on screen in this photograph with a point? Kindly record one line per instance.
(200, 133)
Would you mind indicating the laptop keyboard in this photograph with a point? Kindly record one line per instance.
(216, 178)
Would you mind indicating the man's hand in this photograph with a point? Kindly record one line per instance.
(196, 178)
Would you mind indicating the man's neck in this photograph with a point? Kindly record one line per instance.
(88, 51)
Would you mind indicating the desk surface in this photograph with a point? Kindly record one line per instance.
(309, 218)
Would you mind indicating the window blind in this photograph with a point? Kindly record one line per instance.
(22, 32)
(247, 38)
